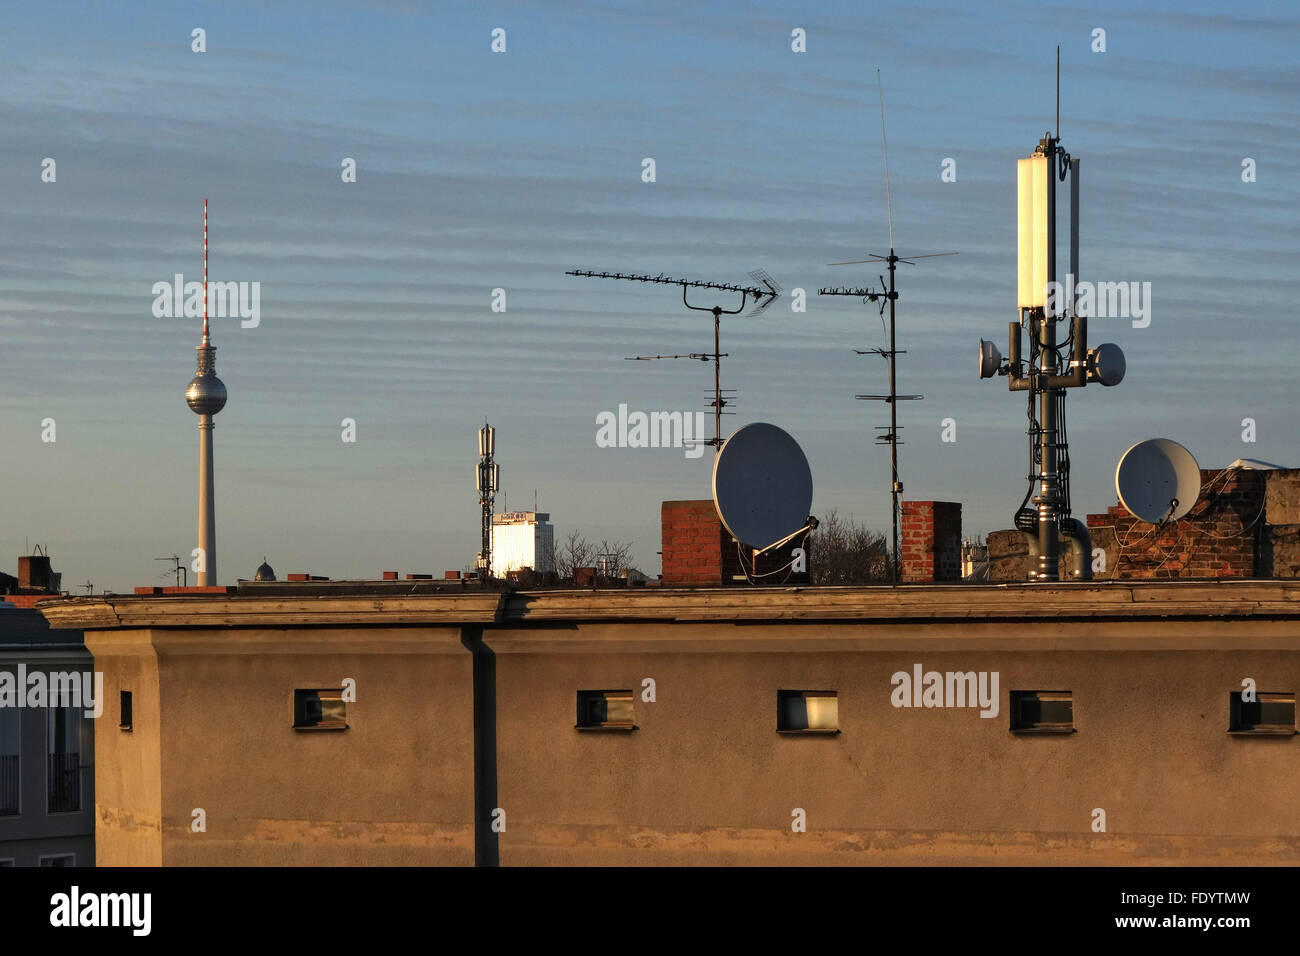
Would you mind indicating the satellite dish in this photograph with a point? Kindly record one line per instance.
(1158, 480)
(762, 486)
(990, 359)
(1107, 365)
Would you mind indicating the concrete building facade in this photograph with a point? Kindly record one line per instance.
(522, 539)
(47, 783)
(1048, 724)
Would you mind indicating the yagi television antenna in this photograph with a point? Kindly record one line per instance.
(762, 487)
(886, 294)
(763, 293)
(1158, 481)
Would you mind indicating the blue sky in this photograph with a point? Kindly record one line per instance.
(479, 170)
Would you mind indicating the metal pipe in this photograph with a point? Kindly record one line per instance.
(894, 487)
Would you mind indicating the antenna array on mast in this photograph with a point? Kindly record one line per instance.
(887, 295)
(764, 292)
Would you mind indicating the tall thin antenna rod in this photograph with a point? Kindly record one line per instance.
(889, 196)
(889, 295)
(205, 270)
(1058, 92)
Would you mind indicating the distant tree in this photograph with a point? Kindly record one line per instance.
(572, 553)
(844, 552)
(613, 558)
(575, 551)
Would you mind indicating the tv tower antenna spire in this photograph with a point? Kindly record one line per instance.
(886, 294)
(764, 292)
(206, 395)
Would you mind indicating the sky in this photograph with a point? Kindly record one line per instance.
(478, 170)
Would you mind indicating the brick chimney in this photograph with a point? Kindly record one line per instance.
(698, 551)
(35, 572)
(692, 543)
(931, 545)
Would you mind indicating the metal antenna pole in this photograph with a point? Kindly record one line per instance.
(891, 353)
(895, 485)
(717, 380)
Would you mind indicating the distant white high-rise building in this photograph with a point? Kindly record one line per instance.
(522, 539)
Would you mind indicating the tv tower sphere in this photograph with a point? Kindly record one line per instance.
(206, 394)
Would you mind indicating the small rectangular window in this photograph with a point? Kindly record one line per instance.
(1042, 712)
(7, 861)
(1266, 714)
(63, 859)
(125, 721)
(605, 710)
(807, 712)
(319, 709)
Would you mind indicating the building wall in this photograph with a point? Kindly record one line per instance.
(128, 779)
(35, 832)
(395, 788)
(1246, 523)
(522, 545)
(706, 779)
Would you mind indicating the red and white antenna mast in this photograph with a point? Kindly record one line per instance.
(205, 270)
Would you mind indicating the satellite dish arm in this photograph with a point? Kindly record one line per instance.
(811, 525)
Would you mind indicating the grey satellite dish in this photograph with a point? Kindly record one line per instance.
(762, 486)
(990, 359)
(1158, 480)
(1106, 365)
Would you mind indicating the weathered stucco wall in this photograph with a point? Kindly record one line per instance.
(395, 788)
(706, 779)
(128, 768)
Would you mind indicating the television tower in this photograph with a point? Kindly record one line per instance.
(206, 396)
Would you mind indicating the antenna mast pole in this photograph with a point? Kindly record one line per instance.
(890, 354)
(1041, 303)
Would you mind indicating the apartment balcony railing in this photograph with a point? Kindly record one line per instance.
(65, 782)
(9, 784)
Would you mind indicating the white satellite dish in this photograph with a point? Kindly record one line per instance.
(1158, 480)
(762, 486)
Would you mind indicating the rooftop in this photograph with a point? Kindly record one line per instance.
(406, 603)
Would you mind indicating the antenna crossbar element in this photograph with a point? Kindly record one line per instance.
(890, 398)
(701, 356)
(857, 292)
(756, 292)
(875, 257)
